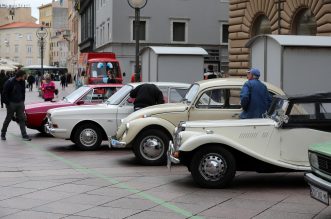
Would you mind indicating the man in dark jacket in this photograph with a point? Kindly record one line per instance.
(14, 97)
(254, 96)
(146, 95)
(3, 79)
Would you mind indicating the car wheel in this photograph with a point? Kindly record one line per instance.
(213, 167)
(88, 137)
(151, 146)
(42, 129)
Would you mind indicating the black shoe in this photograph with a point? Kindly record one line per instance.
(3, 138)
(26, 138)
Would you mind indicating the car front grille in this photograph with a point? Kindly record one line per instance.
(324, 163)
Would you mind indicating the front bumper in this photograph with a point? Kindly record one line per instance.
(60, 133)
(170, 155)
(318, 182)
(115, 143)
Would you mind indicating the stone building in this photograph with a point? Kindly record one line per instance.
(248, 18)
(15, 13)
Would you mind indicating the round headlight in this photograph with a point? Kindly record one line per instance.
(313, 160)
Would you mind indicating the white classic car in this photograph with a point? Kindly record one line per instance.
(214, 150)
(149, 130)
(87, 126)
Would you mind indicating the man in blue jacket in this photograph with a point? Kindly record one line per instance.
(254, 96)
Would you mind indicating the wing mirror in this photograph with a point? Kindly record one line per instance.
(81, 102)
(124, 74)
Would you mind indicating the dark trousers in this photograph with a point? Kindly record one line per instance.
(18, 109)
(1, 99)
(30, 86)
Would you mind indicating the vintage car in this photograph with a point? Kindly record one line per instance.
(149, 130)
(85, 95)
(87, 126)
(319, 178)
(214, 150)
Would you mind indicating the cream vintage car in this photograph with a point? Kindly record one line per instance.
(149, 130)
(214, 150)
(87, 126)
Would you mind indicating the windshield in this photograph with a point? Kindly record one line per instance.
(278, 107)
(191, 93)
(71, 98)
(100, 69)
(117, 97)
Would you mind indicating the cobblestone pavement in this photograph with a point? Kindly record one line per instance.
(50, 178)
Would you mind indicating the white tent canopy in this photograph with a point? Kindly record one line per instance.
(8, 62)
(7, 67)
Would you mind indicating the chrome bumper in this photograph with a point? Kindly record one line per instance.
(50, 130)
(115, 143)
(318, 182)
(170, 158)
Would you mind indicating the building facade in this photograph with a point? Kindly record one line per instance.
(15, 13)
(249, 18)
(162, 23)
(19, 43)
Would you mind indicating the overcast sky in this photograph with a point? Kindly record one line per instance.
(34, 4)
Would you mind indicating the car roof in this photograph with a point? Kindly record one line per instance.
(235, 81)
(308, 97)
(163, 84)
(104, 85)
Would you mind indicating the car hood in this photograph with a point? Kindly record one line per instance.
(322, 148)
(75, 110)
(157, 109)
(45, 105)
(229, 123)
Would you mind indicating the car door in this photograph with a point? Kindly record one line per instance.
(124, 109)
(216, 103)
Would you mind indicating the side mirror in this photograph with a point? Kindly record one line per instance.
(124, 74)
(81, 102)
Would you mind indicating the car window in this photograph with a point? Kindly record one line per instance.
(72, 97)
(177, 94)
(325, 110)
(88, 96)
(302, 112)
(220, 98)
(164, 91)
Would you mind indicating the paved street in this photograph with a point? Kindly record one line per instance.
(49, 178)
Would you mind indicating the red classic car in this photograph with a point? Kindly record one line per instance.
(85, 95)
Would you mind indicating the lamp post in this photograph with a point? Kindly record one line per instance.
(41, 34)
(137, 5)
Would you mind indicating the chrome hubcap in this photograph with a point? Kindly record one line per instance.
(152, 148)
(212, 167)
(88, 137)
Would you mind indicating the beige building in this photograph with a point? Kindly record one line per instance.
(19, 43)
(73, 36)
(45, 18)
(249, 18)
(13, 13)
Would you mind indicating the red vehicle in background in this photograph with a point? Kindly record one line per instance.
(84, 95)
(95, 65)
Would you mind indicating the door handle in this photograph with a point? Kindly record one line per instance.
(235, 115)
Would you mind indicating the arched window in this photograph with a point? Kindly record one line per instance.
(304, 23)
(261, 26)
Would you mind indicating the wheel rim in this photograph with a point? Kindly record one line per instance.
(88, 137)
(152, 148)
(212, 167)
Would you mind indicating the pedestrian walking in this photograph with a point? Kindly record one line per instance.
(31, 81)
(63, 80)
(210, 74)
(48, 88)
(14, 97)
(146, 95)
(3, 79)
(254, 96)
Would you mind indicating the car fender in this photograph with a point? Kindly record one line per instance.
(197, 140)
(137, 125)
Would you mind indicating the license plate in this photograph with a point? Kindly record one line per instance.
(319, 194)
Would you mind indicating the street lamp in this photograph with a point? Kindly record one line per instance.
(41, 34)
(137, 5)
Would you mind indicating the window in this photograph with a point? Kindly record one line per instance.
(302, 112)
(179, 31)
(304, 23)
(224, 33)
(220, 99)
(29, 49)
(177, 94)
(142, 30)
(261, 26)
(28, 61)
(29, 37)
(16, 48)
